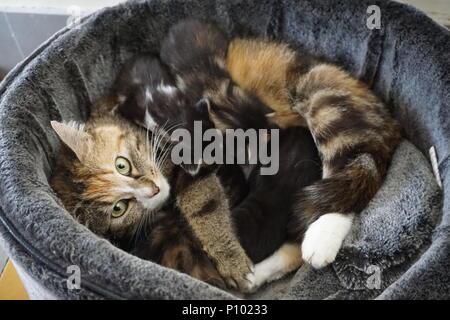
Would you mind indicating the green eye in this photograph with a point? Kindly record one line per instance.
(123, 166)
(120, 207)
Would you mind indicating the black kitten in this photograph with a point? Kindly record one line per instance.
(262, 217)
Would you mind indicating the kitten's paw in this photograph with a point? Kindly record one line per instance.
(286, 259)
(252, 284)
(262, 274)
(324, 237)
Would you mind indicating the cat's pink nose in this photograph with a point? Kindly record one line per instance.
(154, 192)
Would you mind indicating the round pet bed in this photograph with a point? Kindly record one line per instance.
(399, 247)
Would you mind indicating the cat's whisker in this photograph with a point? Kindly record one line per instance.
(149, 146)
(163, 158)
(165, 148)
(158, 147)
(137, 230)
(148, 221)
(152, 218)
(147, 130)
(154, 142)
(160, 135)
(152, 153)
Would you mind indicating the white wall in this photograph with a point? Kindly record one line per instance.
(54, 6)
(439, 10)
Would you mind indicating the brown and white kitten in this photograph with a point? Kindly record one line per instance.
(352, 128)
(113, 177)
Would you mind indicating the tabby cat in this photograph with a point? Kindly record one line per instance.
(352, 128)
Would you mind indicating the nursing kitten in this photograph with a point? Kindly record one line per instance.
(113, 176)
(142, 81)
(263, 217)
(352, 128)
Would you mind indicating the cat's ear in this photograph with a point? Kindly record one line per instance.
(203, 105)
(192, 168)
(75, 138)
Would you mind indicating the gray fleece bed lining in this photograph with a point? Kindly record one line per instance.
(59, 80)
(56, 269)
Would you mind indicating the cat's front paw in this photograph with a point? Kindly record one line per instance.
(324, 237)
(237, 273)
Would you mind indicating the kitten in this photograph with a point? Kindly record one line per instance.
(263, 217)
(145, 81)
(111, 177)
(352, 128)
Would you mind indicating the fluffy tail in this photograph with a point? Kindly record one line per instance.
(348, 190)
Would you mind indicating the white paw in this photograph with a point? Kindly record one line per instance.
(324, 237)
(252, 283)
(260, 276)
